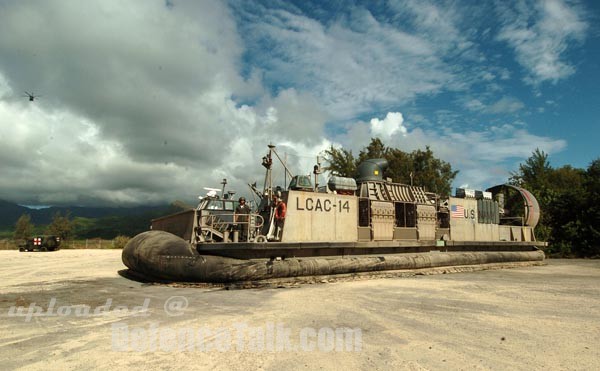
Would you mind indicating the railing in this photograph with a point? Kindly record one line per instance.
(222, 226)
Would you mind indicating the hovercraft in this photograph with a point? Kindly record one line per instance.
(351, 226)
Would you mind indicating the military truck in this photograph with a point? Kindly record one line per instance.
(41, 243)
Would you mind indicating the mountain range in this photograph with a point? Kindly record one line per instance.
(106, 221)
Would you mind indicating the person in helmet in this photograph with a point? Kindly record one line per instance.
(241, 217)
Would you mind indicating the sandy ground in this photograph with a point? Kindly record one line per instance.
(544, 317)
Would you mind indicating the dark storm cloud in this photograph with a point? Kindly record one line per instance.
(136, 96)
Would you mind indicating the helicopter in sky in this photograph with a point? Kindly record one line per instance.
(31, 96)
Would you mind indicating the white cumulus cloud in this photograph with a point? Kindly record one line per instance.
(541, 32)
(393, 123)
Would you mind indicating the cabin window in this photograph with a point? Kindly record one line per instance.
(221, 205)
(301, 182)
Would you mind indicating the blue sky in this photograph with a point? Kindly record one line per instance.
(150, 101)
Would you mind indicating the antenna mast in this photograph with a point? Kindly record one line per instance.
(267, 162)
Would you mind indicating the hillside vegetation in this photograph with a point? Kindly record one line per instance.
(126, 222)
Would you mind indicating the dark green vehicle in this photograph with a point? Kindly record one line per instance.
(41, 243)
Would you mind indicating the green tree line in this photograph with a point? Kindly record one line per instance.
(67, 227)
(61, 226)
(569, 199)
(417, 167)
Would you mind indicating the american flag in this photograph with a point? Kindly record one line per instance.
(457, 211)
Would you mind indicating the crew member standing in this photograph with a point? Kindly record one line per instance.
(280, 210)
(241, 216)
